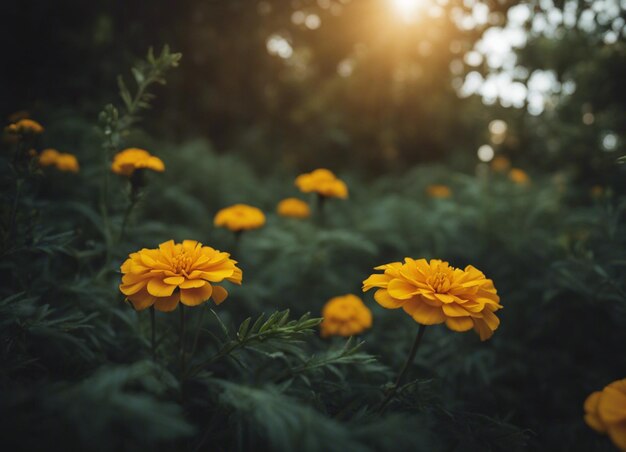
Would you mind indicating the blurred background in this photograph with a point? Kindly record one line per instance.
(422, 107)
(362, 84)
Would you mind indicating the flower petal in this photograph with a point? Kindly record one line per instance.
(167, 304)
(219, 294)
(459, 323)
(196, 296)
(423, 313)
(158, 288)
(401, 289)
(383, 298)
(175, 280)
(192, 283)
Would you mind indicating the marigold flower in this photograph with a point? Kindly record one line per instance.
(293, 207)
(127, 161)
(323, 182)
(345, 316)
(605, 412)
(62, 161)
(48, 157)
(438, 191)
(239, 217)
(519, 176)
(435, 292)
(174, 272)
(25, 126)
(500, 164)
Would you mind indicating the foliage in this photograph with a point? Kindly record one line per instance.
(76, 366)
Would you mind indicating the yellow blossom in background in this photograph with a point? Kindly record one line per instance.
(605, 412)
(500, 164)
(127, 161)
(323, 182)
(345, 316)
(48, 157)
(67, 162)
(62, 161)
(435, 292)
(239, 217)
(438, 191)
(293, 207)
(519, 176)
(177, 272)
(25, 126)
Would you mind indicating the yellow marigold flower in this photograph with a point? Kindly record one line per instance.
(293, 207)
(322, 182)
(438, 191)
(435, 292)
(24, 126)
(48, 157)
(127, 161)
(239, 217)
(61, 160)
(177, 272)
(605, 412)
(519, 176)
(345, 316)
(500, 164)
(67, 162)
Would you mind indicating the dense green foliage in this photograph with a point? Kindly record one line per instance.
(76, 366)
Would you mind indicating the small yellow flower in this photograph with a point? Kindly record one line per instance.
(345, 316)
(439, 191)
(239, 217)
(605, 412)
(127, 161)
(67, 162)
(322, 182)
(177, 272)
(293, 207)
(48, 157)
(25, 126)
(500, 164)
(519, 176)
(435, 292)
(62, 161)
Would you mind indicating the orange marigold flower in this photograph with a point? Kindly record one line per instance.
(127, 161)
(177, 272)
(345, 316)
(239, 217)
(62, 161)
(48, 157)
(25, 126)
(438, 191)
(605, 412)
(500, 164)
(323, 182)
(67, 162)
(519, 176)
(435, 292)
(293, 207)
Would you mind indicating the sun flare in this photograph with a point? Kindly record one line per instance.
(407, 10)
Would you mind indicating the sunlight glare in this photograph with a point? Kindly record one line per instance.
(406, 9)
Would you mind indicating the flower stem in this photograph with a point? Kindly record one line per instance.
(182, 339)
(405, 368)
(153, 338)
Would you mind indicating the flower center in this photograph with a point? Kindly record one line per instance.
(181, 262)
(440, 282)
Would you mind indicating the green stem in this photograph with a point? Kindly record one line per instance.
(153, 338)
(182, 339)
(405, 368)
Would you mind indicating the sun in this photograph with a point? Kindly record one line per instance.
(406, 9)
